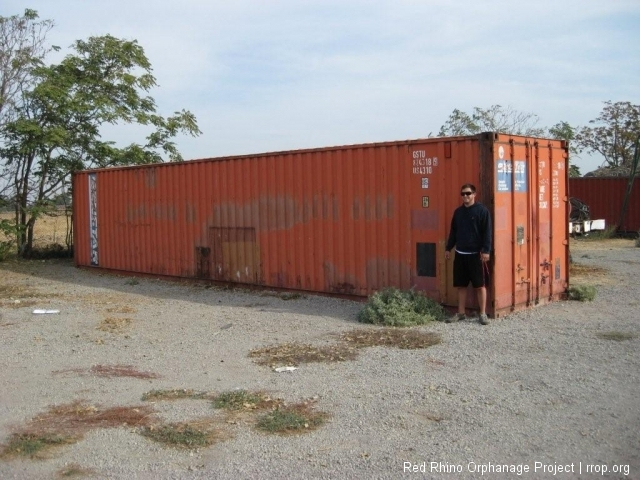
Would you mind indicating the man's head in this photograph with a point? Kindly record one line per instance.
(468, 193)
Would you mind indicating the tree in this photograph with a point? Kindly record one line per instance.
(494, 119)
(613, 135)
(56, 130)
(563, 131)
(22, 47)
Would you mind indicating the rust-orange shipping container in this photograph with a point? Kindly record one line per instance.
(346, 220)
(605, 197)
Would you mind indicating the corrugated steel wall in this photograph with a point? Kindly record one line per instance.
(348, 220)
(605, 196)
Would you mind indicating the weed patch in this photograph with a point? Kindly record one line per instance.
(615, 336)
(291, 419)
(66, 424)
(400, 308)
(582, 293)
(391, 337)
(239, 400)
(33, 445)
(189, 435)
(297, 353)
(176, 394)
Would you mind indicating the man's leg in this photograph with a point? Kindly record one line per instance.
(482, 299)
(462, 300)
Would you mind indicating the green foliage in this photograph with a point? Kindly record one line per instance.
(31, 445)
(290, 420)
(8, 231)
(237, 400)
(613, 133)
(564, 131)
(493, 119)
(582, 293)
(22, 47)
(400, 308)
(179, 435)
(57, 112)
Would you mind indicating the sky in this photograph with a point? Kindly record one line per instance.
(273, 75)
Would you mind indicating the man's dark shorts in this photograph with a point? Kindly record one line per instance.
(468, 268)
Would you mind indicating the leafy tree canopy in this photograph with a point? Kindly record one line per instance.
(57, 111)
(613, 134)
(493, 119)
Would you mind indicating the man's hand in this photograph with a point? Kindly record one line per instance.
(447, 254)
(485, 257)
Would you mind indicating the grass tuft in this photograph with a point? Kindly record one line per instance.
(400, 308)
(239, 400)
(292, 419)
(189, 435)
(391, 337)
(176, 394)
(34, 445)
(582, 293)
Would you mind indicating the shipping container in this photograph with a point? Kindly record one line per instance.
(605, 196)
(342, 220)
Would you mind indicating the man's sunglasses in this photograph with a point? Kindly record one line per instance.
(462, 194)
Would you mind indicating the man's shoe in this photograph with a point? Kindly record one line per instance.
(484, 320)
(458, 317)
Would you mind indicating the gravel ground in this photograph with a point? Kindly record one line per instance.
(538, 390)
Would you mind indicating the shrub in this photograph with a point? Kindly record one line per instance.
(400, 308)
(583, 293)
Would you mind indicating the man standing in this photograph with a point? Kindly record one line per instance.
(471, 235)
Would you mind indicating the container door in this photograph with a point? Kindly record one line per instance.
(530, 222)
(512, 224)
(551, 221)
(235, 254)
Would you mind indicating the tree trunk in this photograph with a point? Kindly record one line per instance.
(632, 177)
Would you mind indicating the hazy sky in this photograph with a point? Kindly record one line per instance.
(265, 75)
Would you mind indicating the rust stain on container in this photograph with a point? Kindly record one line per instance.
(349, 220)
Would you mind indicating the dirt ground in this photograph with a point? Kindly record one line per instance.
(120, 358)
